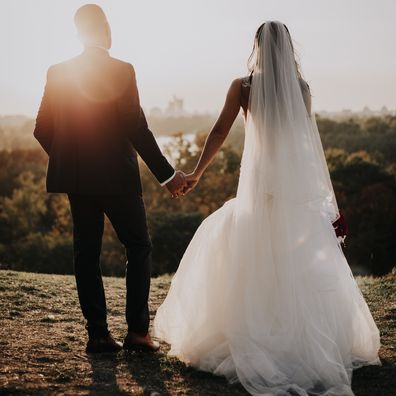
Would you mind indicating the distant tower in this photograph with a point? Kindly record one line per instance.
(366, 111)
(384, 110)
(175, 107)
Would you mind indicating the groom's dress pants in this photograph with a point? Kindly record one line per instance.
(128, 217)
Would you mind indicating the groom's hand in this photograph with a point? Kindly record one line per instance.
(177, 184)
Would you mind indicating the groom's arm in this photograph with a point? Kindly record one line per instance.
(147, 147)
(140, 135)
(43, 130)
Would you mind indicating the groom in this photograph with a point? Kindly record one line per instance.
(91, 125)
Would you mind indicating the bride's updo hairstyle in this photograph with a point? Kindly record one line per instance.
(253, 58)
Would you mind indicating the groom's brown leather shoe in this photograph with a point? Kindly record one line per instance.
(105, 344)
(137, 342)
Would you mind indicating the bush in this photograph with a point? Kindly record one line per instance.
(42, 253)
(366, 192)
(171, 234)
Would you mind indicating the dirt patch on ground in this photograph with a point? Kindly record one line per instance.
(42, 341)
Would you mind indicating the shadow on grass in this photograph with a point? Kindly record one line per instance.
(160, 374)
(375, 380)
(155, 374)
(147, 370)
(104, 379)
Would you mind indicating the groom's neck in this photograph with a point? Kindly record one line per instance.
(99, 46)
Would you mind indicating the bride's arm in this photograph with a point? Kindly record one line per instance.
(218, 133)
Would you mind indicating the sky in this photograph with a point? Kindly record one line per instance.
(194, 48)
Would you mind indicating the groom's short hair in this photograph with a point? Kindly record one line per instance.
(90, 20)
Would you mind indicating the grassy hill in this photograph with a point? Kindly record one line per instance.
(42, 339)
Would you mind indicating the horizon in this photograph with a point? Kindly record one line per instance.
(356, 112)
(195, 49)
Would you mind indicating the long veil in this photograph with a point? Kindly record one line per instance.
(283, 158)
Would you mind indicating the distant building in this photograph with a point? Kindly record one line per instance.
(175, 107)
(366, 112)
(384, 110)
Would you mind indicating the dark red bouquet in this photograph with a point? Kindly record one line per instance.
(341, 227)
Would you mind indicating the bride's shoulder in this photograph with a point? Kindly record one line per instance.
(244, 84)
(235, 87)
(246, 81)
(241, 82)
(236, 83)
(239, 88)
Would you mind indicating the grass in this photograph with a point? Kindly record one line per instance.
(42, 341)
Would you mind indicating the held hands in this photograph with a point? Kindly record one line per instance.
(177, 185)
(192, 180)
(182, 184)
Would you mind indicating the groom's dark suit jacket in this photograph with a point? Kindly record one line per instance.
(92, 126)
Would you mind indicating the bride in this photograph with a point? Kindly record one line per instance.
(264, 294)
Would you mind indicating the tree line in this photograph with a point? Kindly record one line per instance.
(36, 229)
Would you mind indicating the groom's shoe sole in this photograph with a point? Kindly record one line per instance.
(103, 345)
(137, 342)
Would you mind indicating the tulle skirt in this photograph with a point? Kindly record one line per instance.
(265, 297)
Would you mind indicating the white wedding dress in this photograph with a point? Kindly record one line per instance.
(264, 294)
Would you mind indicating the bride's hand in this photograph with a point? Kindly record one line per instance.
(191, 180)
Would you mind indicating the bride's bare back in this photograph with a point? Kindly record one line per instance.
(244, 89)
(237, 98)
